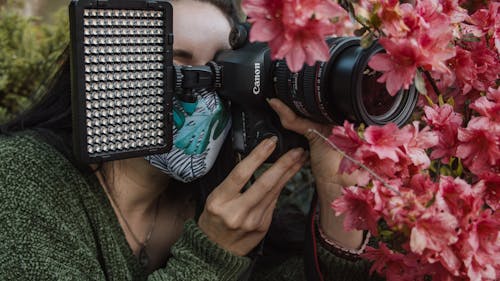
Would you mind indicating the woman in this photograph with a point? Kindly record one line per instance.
(128, 220)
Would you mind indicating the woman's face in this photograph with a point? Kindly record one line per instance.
(200, 30)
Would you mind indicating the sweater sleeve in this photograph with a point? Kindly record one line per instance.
(37, 243)
(195, 256)
(337, 268)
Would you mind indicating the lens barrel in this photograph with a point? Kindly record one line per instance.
(343, 88)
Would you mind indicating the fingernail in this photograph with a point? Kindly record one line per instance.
(271, 142)
(297, 152)
(270, 102)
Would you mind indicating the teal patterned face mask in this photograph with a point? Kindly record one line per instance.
(199, 131)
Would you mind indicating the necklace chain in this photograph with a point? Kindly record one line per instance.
(143, 256)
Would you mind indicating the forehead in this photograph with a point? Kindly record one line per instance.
(199, 28)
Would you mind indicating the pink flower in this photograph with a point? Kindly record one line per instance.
(479, 145)
(346, 138)
(398, 65)
(434, 37)
(486, 63)
(455, 196)
(385, 141)
(386, 168)
(420, 141)
(445, 122)
(357, 205)
(439, 117)
(489, 189)
(295, 30)
(465, 69)
(456, 13)
(390, 14)
(434, 231)
(393, 265)
(481, 245)
(423, 186)
(383, 258)
(489, 105)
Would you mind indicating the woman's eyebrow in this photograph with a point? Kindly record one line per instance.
(179, 53)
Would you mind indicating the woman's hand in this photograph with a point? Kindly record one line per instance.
(325, 163)
(237, 221)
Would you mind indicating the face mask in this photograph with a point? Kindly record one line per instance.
(199, 130)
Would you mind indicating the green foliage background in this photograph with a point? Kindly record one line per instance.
(29, 49)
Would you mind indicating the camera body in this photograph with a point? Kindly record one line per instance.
(342, 88)
(247, 81)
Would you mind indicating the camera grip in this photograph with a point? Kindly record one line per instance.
(250, 127)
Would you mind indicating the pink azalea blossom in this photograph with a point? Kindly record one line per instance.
(391, 16)
(486, 63)
(489, 189)
(445, 122)
(398, 65)
(488, 21)
(383, 258)
(465, 69)
(489, 105)
(481, 245)
(393, 265)
(456, 13)
(434, 36)
(479, 145)
(346, 138)
(295, 30)
(357, 205)
(386, 167)
(455, 196)
(385, 141)
(434, 230)
(421, 140)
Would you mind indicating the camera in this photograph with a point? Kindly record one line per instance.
(342, 88)
(123, 81)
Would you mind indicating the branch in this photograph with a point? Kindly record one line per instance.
(356, 162)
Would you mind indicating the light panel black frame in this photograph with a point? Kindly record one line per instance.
(78, 99)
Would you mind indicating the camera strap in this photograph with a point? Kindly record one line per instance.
(312, 269)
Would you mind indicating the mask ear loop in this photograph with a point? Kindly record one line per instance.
(238, 36)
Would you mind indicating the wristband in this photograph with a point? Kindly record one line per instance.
(338, 250)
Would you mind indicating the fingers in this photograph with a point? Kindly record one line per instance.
(274, 193)
(242, 172)
(279, 173)
(293, 122)
(260, 199)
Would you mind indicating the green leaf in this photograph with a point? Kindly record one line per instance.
(441, 100)
(420, 83)
(367, 40)
(451, 101)
(430, 202)
(456, 166)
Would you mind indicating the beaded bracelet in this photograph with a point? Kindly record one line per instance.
(335, 248)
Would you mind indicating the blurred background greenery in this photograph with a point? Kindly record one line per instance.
(33, 33)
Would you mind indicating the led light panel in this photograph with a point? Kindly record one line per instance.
(121, 63)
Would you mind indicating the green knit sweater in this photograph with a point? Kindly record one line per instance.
(57, 224)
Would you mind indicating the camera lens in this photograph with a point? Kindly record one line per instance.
(376, 99)
(343, 88)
